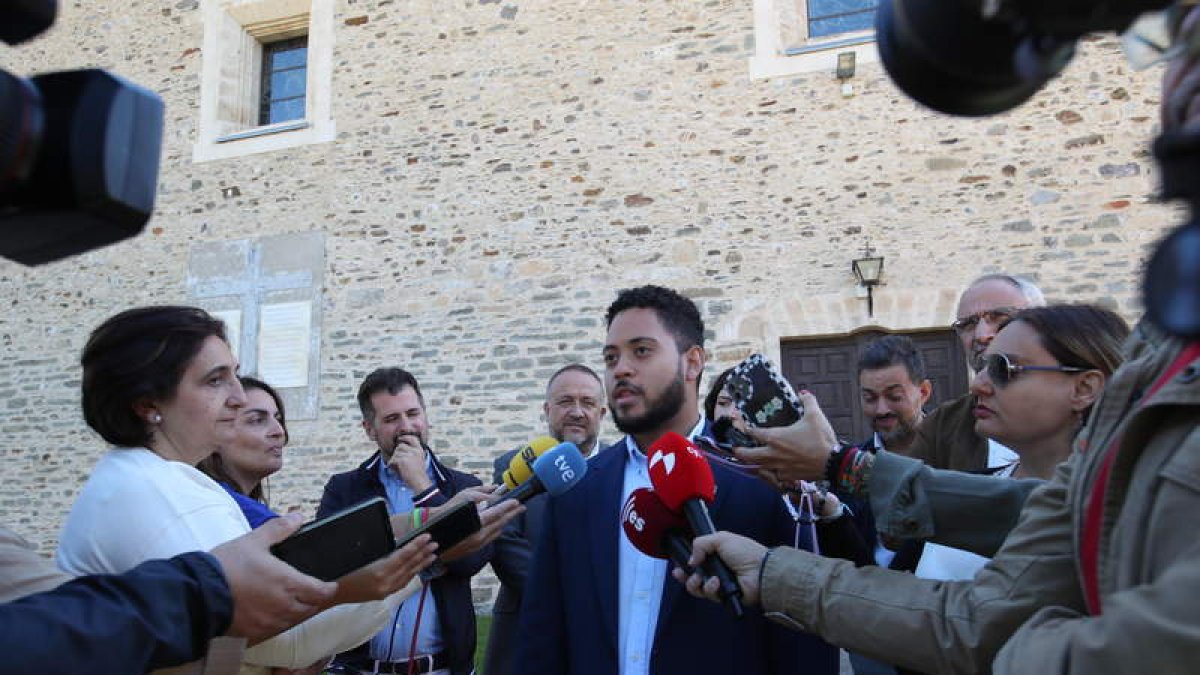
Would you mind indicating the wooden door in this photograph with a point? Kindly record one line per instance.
(828, 368)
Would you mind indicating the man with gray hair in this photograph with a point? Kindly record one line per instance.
(574, 409)
(946, 439)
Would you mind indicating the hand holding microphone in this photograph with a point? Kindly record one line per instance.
(683, 480)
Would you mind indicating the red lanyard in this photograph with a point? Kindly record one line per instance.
(1089, 554)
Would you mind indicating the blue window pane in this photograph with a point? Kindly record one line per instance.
(289, 58)
(282, 111)
(287, 84)
(830, 17)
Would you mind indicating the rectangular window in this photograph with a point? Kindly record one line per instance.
(267, 77)
(805, 36)
(284, 80)
(831, 17)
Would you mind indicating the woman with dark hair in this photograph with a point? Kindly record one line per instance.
(719, 402)
(160, 383)
(256, 451)
(1042, 373)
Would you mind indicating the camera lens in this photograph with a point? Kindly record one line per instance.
(946, 56)
(23, 19)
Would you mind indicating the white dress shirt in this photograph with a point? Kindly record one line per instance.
(641, 578)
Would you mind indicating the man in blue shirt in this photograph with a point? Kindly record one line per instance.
(435, 628)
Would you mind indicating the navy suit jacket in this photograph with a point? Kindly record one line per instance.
(569, 611)
(452, 590)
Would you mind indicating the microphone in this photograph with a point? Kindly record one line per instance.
(520, 467)
(655, 530)
(684, 482)
(558, 469)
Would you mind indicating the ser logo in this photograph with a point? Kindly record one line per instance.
(630, 515)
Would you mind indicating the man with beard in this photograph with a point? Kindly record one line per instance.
(593, 602)
(433, 631)
(574, 409)
(947, 438)
(894, 390)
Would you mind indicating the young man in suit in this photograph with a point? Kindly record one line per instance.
(574, 409)
(594, 603)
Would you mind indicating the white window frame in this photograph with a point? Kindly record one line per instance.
(772, 58)
(230, 81)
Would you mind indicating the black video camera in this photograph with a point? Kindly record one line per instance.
(980, 57)
(79, 152)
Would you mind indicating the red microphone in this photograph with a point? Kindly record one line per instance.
(655, 530)
(684, 482)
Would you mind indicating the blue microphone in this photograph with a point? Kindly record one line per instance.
(558, 469)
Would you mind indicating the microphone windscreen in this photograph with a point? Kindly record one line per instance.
(520, 467)
(647, 521)
(679, 471)
(560, 468)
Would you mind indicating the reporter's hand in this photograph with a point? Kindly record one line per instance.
(269, 596)
(492, 519)
(402, 523)
(796, 452)
(743, 556)
(388, 574)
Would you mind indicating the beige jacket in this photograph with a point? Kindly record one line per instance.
(22, 571)
(1024, 612)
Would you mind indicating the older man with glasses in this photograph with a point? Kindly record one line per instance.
(946, 438)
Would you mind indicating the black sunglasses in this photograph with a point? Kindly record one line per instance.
(1001, 371)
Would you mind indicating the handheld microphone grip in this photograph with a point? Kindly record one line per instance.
(683, 480)
(701, 523)
(679, 549)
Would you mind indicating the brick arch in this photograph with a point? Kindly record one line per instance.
(762, 325)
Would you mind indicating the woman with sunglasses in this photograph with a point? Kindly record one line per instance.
(256, 451)
(1042, 373)
(160, 384)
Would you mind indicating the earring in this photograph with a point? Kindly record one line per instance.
(156, 419)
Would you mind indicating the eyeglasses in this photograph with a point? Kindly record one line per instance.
(1001, 371)
(995, 316)
(1154, 38)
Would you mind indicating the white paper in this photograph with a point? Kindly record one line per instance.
(284, 340)
(233, 329)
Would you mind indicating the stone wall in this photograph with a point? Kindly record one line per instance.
(500, 169)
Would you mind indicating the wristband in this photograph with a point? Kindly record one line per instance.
(855, 471)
